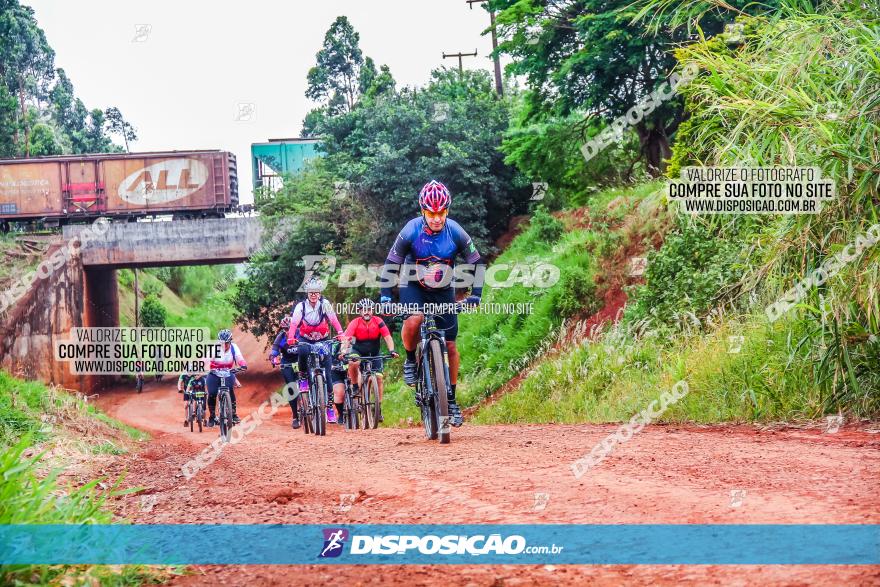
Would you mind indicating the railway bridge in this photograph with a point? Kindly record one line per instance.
(83, 290)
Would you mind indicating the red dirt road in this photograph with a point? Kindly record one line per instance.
(491, 474)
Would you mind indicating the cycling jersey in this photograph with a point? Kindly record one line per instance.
(417, 244)
(366, 334)
(280, 347)
(363, 330)
(313, 322)
(229, 358)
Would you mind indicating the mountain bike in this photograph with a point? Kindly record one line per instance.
(314, 404)
(432, 378)
(350, 401)
(195, 406)
(366, 400)
(224, 400)
(139, 382)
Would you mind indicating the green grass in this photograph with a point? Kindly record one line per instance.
(35, 419)
(215, 311)
(615, 377)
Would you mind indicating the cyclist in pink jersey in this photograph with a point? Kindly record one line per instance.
(230, 356)
(313, 317)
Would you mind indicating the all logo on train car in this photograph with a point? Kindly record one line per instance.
(165, 181)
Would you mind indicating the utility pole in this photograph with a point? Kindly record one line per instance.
(137, 293)
(498, 87)
(460, 55)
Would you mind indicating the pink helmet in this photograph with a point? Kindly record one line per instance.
(434, 197)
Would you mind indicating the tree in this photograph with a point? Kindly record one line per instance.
(116, 124)
(153, 313)
(589, 57)
(334, 79)
(8, 123)
(43, 141)
(386, 149)
(26, 61)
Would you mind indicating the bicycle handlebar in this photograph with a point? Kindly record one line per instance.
(349, 357)
(408, 310)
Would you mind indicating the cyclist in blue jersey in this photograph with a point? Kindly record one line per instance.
(432, 242)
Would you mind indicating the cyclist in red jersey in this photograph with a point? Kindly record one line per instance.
(363, 333)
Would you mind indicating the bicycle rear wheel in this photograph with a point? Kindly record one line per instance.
(441, 399)
(320, 405)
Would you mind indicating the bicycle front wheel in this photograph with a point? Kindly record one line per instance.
(320, 405)
(305, 412)
(225, 416)
(371, 402)
(441, 399)
(426, 394)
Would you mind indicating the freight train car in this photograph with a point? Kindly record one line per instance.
(68, 188)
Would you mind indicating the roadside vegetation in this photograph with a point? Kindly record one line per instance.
(780, 83)
(198, 296)
(49, 440)
(797, 89)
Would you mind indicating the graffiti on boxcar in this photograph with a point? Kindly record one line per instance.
(166, 181)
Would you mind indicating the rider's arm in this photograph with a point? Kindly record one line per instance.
(331, 317)
(472, 256)
(399, 250)
(348, 336)
(180, 383)
(276, 345)
(239, 358)
(295, 320)
(386, 335)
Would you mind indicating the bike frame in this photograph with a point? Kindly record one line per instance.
(430, 331)
(223, 391)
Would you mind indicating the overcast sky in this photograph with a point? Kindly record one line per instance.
(181, 78)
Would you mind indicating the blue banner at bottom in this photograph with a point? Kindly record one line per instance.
(556, 544)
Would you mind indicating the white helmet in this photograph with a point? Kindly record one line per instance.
(314, 284)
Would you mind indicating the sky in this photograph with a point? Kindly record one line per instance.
(199, 74)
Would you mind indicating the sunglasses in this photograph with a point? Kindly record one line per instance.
(435, 215)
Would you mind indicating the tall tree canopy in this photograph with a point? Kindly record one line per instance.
(352, 203)
(589, 57)
(39, 112)
(342, 75)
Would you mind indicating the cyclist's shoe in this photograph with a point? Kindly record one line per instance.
(212, 422)
(185, 423)
(331, 415)
(236, 419)
(455, 412)
(409, 373)
(295, 423)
